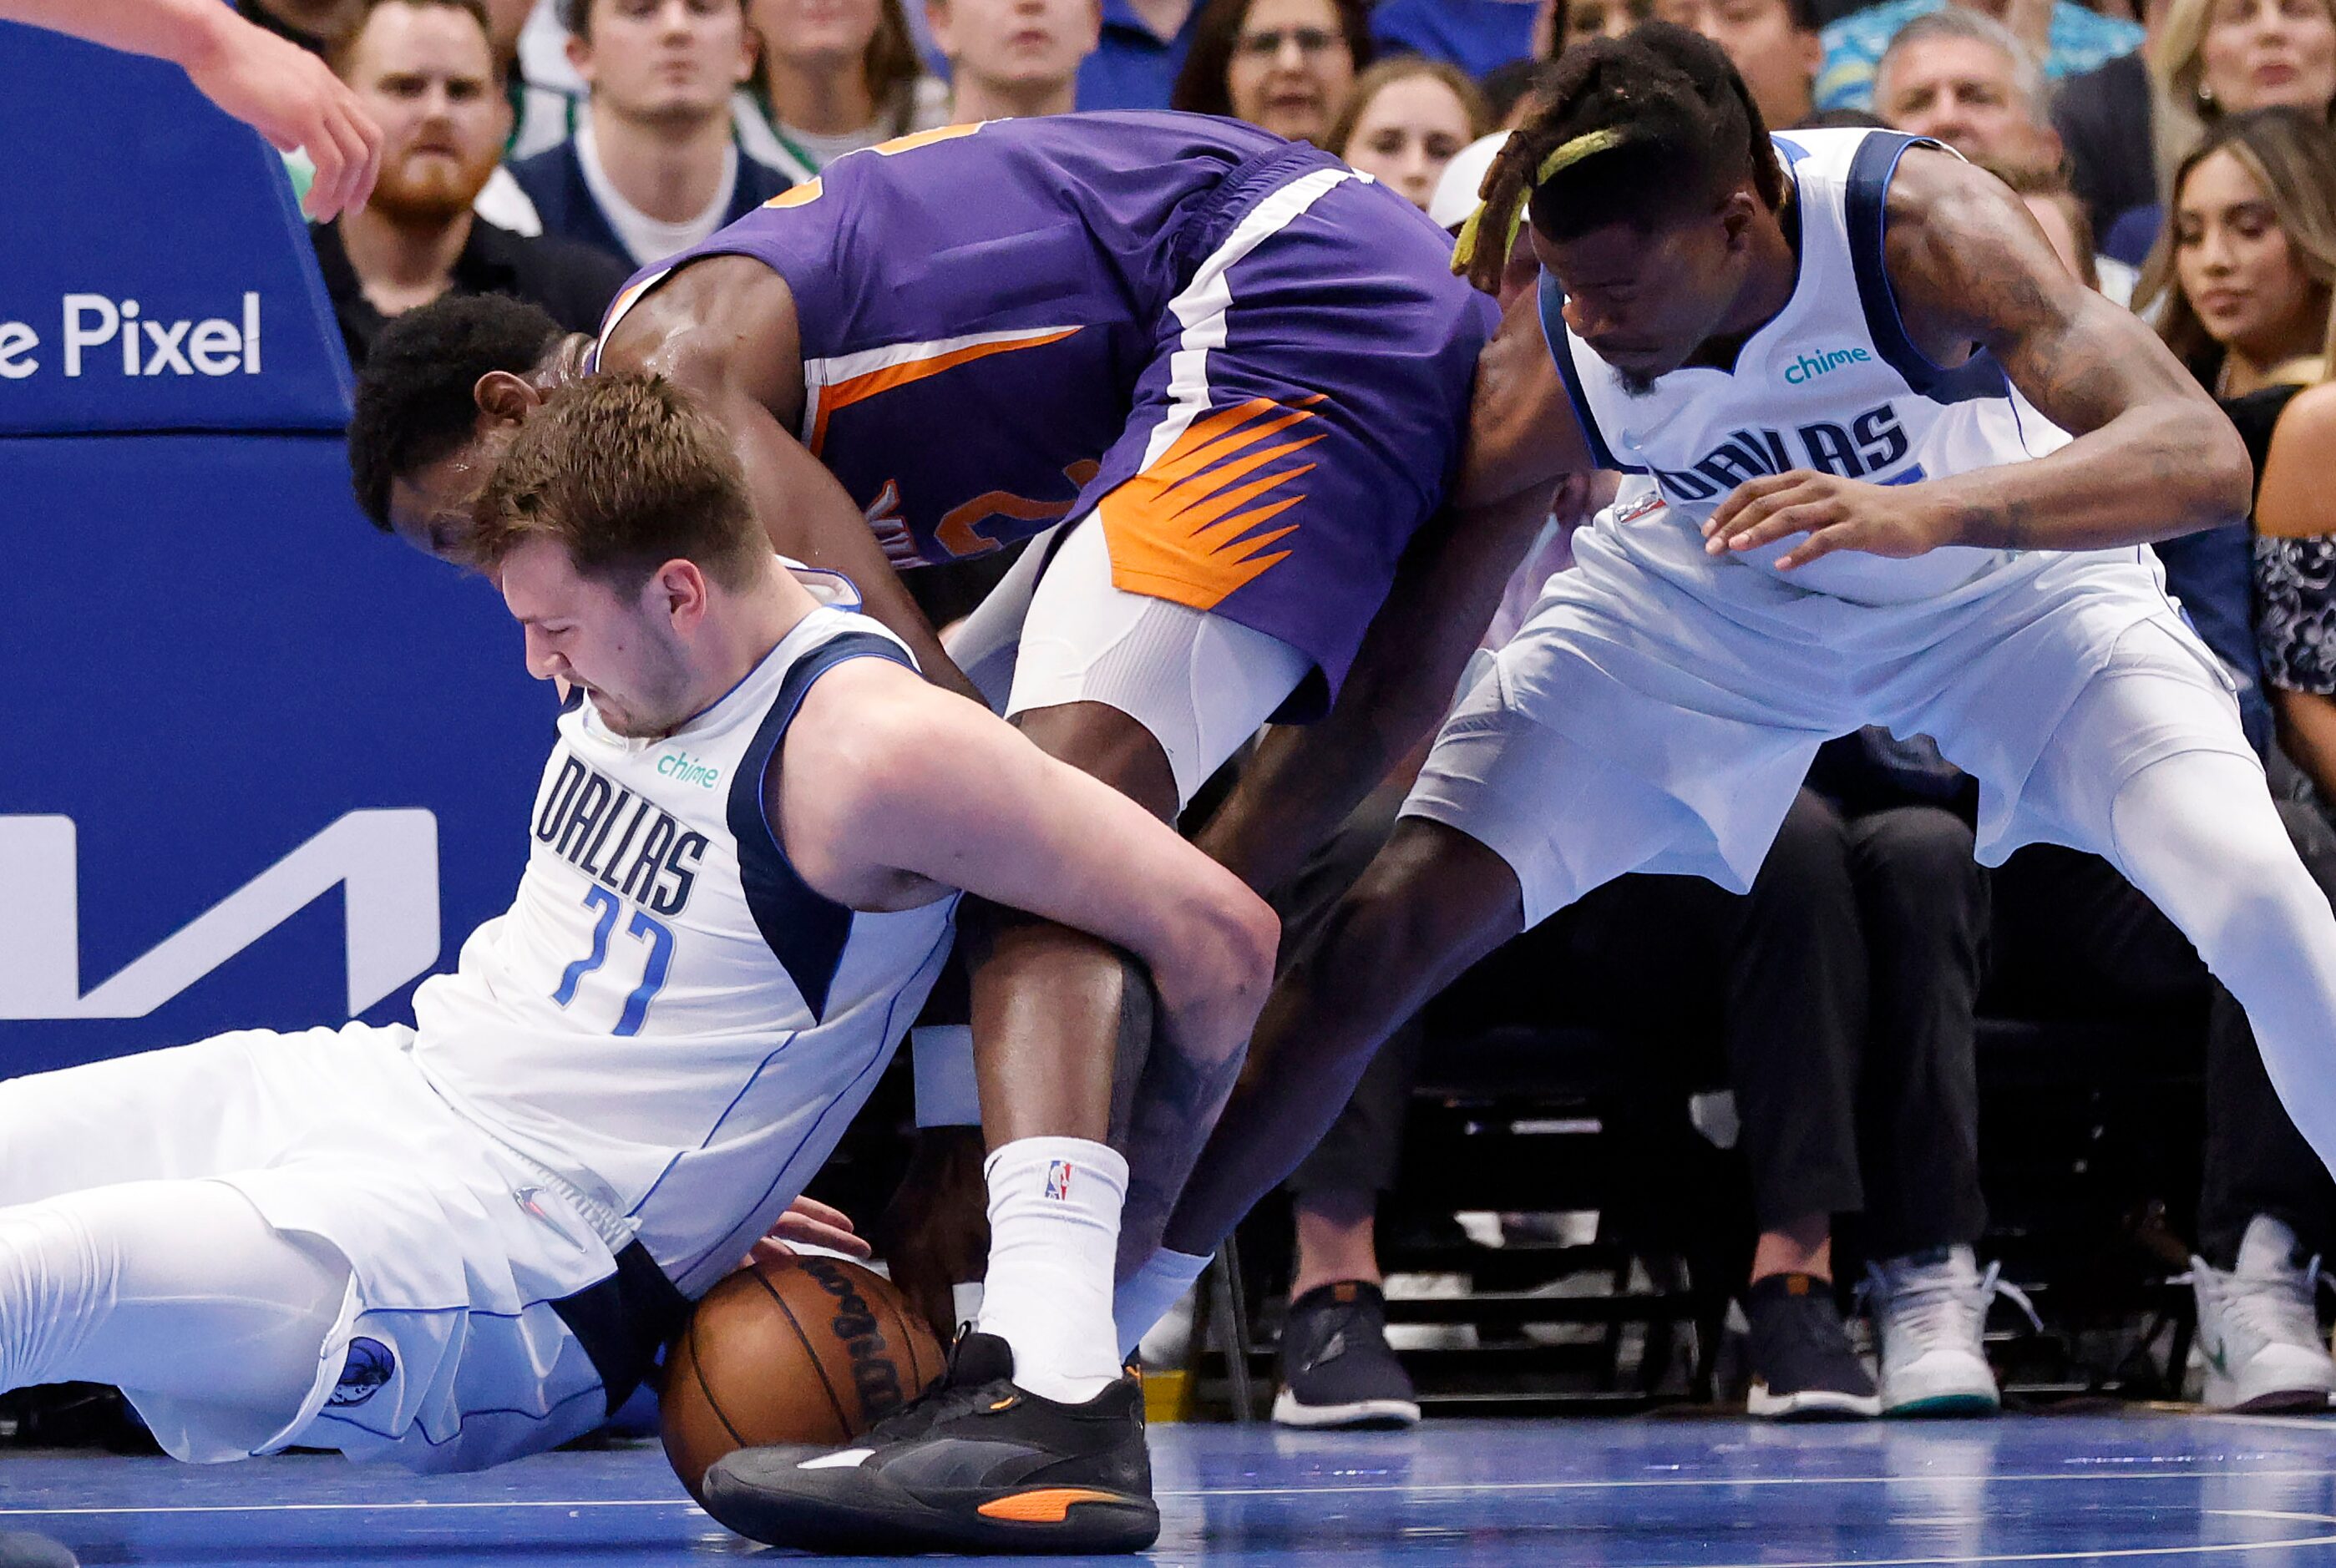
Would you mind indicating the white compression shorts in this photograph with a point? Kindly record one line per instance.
(1056, 630)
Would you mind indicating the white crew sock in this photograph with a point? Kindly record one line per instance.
(1054, 1235)
(1150, 1292)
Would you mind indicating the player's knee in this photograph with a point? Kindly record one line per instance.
(1807, 867)
(1234, 939)
(2271, 909)
(1919, 859)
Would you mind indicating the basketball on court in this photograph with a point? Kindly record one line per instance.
(797, 1350)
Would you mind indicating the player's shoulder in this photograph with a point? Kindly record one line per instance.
(865, 724)
(1939, 208)
(703, 315)
(1923, 173)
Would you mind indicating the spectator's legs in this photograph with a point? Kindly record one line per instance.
(1337, 1367)
(1925, 906)
(1336, 1229)
(1336, 1190)
(1795, 1014)
(1923, 901)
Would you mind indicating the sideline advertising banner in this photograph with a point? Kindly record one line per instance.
(263, 766)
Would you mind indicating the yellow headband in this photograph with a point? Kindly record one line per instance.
(1568, 153)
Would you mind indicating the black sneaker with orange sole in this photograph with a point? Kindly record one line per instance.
(975, 1465)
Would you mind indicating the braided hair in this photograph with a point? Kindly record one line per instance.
(1643, 130)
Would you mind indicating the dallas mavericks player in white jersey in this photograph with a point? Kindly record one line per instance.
(453, 1243)
(1908, 464)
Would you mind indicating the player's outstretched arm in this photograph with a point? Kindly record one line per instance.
(1524, 454)
(888, 787)
(724, 329)
(275, 87)
(2153, 456)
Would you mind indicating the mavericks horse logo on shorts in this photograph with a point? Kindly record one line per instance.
(370, 1365)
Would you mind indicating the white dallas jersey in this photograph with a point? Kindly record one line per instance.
(668, 1017)
(1831, 383)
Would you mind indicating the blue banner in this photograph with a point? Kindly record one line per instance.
(159, 276)
(265, 766)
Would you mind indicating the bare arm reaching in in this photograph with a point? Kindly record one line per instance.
(891, 789)
(275, 86)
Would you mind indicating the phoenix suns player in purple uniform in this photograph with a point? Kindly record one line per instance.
(1231, 377)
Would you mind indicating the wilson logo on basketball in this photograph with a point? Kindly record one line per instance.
(873, 1373)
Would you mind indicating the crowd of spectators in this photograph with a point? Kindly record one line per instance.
(2179, 159)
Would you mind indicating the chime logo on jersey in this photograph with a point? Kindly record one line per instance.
(1810, 366)
(1860, 448)
(684, 769)
(620, 839)
(1058, 1179)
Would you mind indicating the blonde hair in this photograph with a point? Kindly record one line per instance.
(626, 471)
(2292, 158)
(1385, 75)
(2179, 110)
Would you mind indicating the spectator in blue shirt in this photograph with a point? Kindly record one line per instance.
(1479, 36)
(1144, 46)
(2066, 36)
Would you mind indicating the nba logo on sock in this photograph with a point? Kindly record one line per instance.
(1058, 1179)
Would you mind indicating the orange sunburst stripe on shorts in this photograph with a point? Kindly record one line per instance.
(1050, 1505)
(1187, 529)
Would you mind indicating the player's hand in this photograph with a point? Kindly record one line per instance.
(1837, 514)
(810, 1222)
(292, 99)
(936, 1229)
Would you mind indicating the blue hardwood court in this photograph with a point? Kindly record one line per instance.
(1685, 1491)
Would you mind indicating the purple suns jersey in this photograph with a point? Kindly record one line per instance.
(1250, 363)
